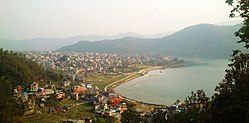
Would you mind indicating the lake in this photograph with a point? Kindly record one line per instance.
(166, 86)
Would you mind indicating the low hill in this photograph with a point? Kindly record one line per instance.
(123, 45)
(203, 40)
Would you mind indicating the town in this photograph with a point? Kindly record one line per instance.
(85, 93)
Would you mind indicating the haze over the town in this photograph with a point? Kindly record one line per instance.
(63, 18)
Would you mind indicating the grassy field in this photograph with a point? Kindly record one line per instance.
(102, 80)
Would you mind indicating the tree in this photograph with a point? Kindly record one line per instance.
(197, 105)
(160, 117)
(231, 103)
(197, 109)
(241, 7)
(131, 115)
(9, 111)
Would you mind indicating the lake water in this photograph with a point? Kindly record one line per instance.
(167, 86)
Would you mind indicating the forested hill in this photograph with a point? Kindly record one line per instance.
(15, 69)
(203, 40)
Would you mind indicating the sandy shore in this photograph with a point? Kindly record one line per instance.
(141, 106)
(129, 78)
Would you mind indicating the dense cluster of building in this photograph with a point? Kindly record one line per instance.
(77, 66)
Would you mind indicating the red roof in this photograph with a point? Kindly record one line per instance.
(116, 100)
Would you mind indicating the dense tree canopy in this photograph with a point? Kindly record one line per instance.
(241, 8)
(197, 105)
(231, 103)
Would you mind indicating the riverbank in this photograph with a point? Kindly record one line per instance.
(130, 77)
(141, 106)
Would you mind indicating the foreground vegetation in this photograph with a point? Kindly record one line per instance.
(15, 70)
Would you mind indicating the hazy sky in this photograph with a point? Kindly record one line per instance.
(21, 19)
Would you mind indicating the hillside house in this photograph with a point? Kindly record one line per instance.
(59, 95)
(34, 86)
(66, 83)
(79, 89)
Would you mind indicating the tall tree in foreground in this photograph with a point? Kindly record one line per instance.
(231, 103)
(197, 105)
(131, 115)
(241, 7)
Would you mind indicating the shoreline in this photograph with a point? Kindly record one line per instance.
(130, 77)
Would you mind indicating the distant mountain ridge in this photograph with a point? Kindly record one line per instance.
(203, 40)
(41, 44)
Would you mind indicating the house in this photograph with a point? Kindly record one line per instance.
(178, 106)
(124, 107)
(34, 86)
(99, 98)
(115, 100)
(42, 91)
(88, 85)
(106, 107)
(59, 95)
(79, 89)
(66, 83)
(49, 91)
(75, 95)
(19, 89)
(24, 96)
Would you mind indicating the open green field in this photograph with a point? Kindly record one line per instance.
(102, 80)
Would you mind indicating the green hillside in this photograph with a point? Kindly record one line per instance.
(123, 45)
(203, 40)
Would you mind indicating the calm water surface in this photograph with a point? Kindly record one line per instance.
(167, 86)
